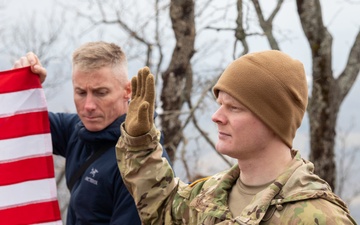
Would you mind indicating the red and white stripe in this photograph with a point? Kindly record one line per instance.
(27, 182)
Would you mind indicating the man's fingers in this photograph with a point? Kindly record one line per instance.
(32, 58)
(39, 70)
(150, 89)
(133, 87)
(22, 62)
(144, 75)
(139, 82)
(143, 113)
(141, 109)
(17, 64)
(139, 86)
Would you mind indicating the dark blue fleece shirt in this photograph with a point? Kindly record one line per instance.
(99, 196)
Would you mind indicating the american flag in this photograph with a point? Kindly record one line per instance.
(27, 182)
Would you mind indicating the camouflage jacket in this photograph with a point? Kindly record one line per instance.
(296, 197)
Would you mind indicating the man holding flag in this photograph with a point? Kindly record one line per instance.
(87, 139)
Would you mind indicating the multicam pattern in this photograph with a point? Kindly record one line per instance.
(296, 197)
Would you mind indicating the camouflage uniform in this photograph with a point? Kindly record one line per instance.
(296, 197)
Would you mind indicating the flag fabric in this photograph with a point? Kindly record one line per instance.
(27, 180)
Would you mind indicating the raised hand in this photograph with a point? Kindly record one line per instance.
(31, 60)
(140, 117)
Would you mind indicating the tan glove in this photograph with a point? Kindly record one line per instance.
(140, 117)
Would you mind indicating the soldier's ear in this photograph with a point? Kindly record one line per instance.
(127, 90)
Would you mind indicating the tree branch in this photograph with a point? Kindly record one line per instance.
(266, 25)
(348, 76)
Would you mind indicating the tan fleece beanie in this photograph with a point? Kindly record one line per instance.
(272, 85)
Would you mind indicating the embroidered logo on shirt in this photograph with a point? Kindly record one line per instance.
(93, 173)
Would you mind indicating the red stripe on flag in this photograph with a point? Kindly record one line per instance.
(17, 122)
(24, 124)
(18, 80)
(36, 168)
(29, 214)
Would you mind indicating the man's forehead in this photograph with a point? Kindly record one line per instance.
(225, 96)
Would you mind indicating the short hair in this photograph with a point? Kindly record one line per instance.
(96, 55)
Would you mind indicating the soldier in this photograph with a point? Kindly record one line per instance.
(262, 99)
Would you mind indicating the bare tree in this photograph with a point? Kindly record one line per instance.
(30, 34)
(266, 24)
(2, 28)
(328, 92)
(346, 165)
(177, 79)
(139, 30)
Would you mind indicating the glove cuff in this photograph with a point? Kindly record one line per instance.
(138, 143)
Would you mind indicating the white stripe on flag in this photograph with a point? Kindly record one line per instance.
(25, 147)
(32, 100)
(27, 192)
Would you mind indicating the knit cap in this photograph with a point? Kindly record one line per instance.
(272, 85)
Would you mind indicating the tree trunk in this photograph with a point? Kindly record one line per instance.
(177, 79)
(327, 92)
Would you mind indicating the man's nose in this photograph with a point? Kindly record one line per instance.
(218, 116)
(90, 103)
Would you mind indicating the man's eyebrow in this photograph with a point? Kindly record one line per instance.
(100, 88)
(93, 89)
